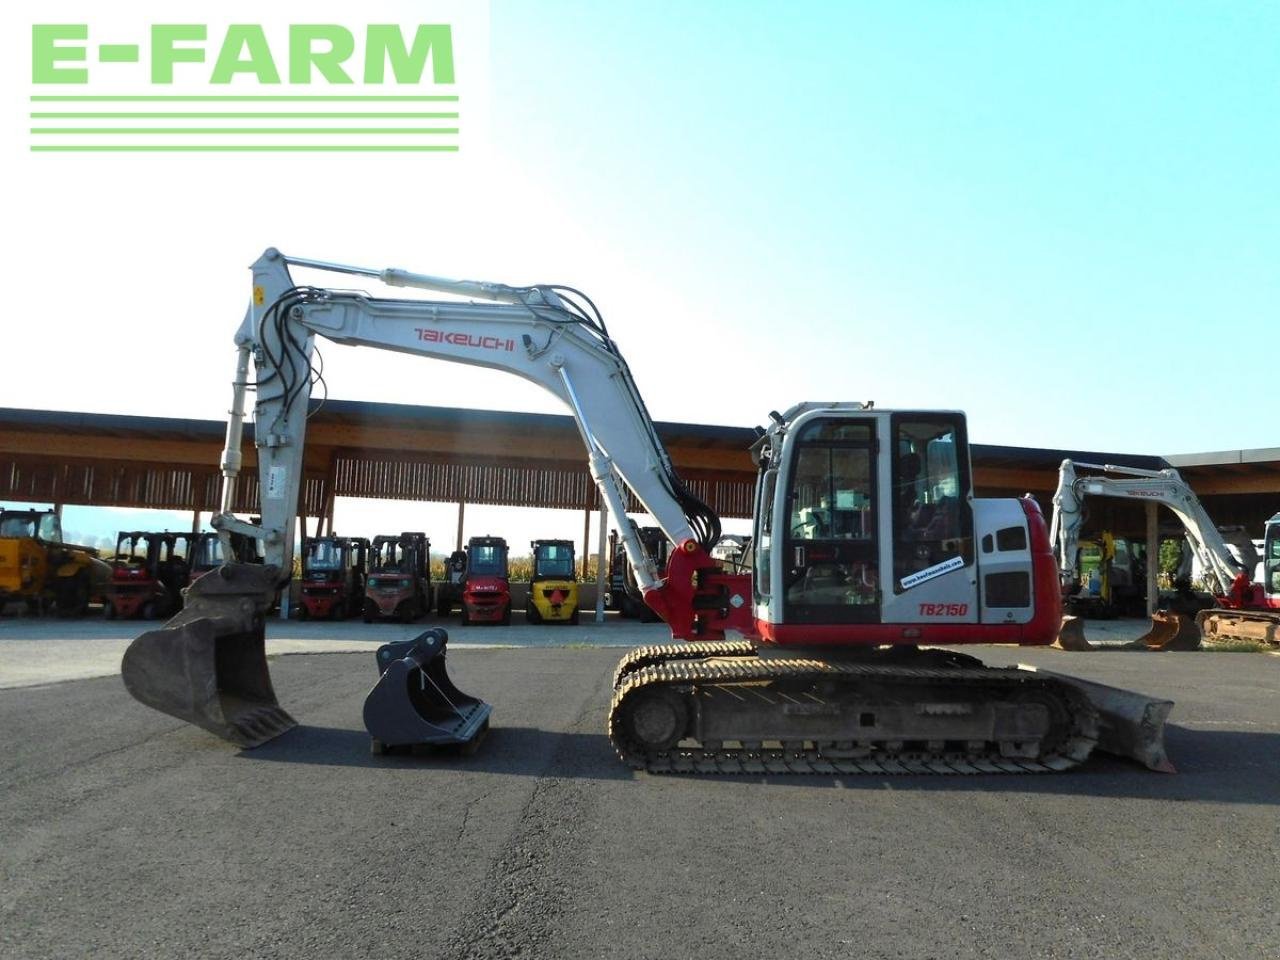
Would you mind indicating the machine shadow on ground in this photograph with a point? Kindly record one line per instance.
(518, 751)
(1218, 766)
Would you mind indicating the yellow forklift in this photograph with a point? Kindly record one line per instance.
(553, 585)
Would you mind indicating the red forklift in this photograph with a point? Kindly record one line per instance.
(334, 570)
(148, 573)
(486, 587)
(399, 582)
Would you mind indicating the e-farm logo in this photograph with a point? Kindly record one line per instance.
(194, 87)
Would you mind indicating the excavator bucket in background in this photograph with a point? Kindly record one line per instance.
(208, 664)
(1071, 635)
(1170, 631)
(1130, 725)
(414, 703)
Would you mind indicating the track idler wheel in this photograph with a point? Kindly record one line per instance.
(655, 720)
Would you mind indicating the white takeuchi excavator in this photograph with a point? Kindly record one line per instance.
(869, 551)
(1245, 610)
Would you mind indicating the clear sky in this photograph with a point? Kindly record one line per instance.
(1063, 218)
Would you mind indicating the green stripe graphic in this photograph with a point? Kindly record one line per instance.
(221, 130)
(243, 148)
(241, 99)
(244, 116)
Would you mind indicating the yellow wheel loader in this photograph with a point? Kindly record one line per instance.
(38, 568)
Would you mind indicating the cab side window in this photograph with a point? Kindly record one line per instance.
(932, 519)
(50, 528)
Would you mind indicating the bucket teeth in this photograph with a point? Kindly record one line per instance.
(208, 665)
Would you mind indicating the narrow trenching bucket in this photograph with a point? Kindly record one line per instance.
(208, 665)
(1130, 724)
(415, 703)
(1170, 631)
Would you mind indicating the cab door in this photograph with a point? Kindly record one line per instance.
(830, 555)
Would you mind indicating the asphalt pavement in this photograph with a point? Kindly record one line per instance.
(125, 833)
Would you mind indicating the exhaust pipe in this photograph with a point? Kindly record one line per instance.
(208, 665)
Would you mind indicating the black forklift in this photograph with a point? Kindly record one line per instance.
(334, 570)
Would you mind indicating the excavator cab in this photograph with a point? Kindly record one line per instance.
(867, 532)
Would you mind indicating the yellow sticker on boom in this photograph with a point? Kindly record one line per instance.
(259, 296)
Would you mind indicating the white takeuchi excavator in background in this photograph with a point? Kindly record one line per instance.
(1244, 610)
(869, 552)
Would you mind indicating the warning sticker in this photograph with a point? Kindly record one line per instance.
(276, 478)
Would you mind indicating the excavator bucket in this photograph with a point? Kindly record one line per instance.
(1170, 631)
(414, 703)
(1071, 635)
(208, 664)
(1130, 724)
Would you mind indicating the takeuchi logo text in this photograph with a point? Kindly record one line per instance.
(429, 335)
(61, 53)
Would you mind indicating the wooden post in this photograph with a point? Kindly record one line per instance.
(195, 522)
(586, 539)
(462, 509)
(1153, 560)
(330, 494)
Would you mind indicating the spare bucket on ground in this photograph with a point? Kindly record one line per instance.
(208, 664)
(414, 703)
(1170, 631)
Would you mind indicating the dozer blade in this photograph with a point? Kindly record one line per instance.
(1130, 724)
(1170, 631)
(415, 703)
(208, 664)
(1071, 635)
